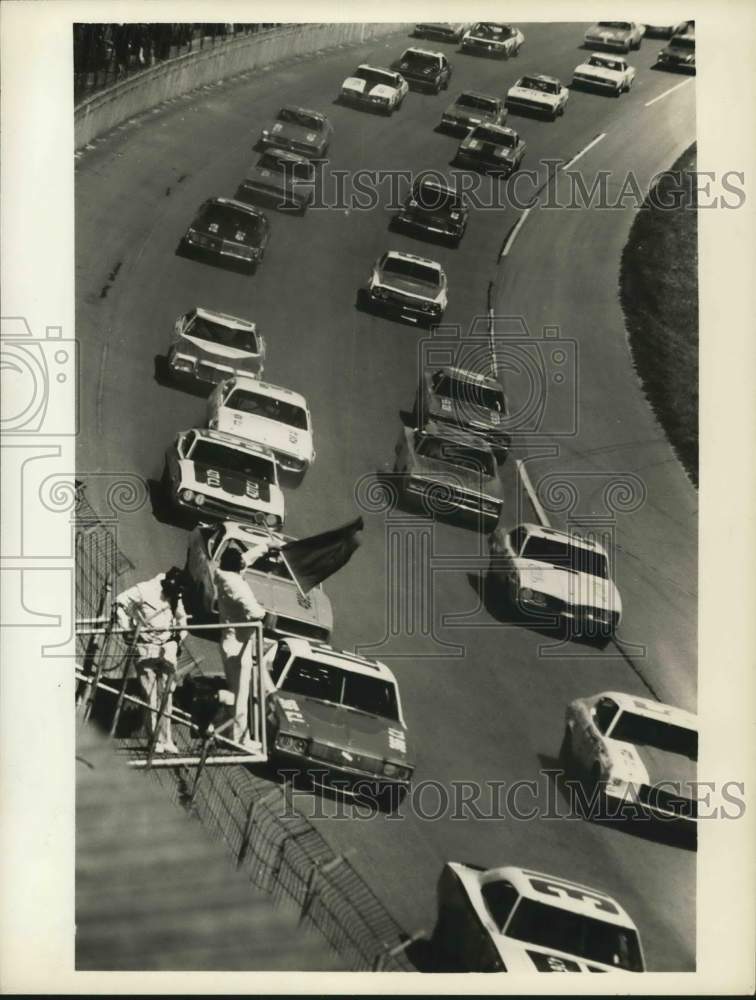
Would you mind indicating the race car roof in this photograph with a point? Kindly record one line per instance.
(340, 658)
(566, 536)
(266, 389)
(240, 206)
(232, 441)
(477, 93)
(401, 255)
(653, 709)
(496, 129)
(224, 319)
(541, 76)
(527, 883)
(306, 111)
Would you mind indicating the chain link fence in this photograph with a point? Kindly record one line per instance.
(273, 844)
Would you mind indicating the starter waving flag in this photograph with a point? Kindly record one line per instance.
(314, 559)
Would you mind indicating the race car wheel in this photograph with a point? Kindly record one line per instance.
(618, 92)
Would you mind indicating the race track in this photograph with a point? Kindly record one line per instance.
(495, 713)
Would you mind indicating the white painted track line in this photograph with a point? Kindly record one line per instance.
(670, 91)
(540, 512)
(585, 149)
(513, 235)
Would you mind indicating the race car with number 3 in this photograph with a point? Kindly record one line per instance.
(512, 919)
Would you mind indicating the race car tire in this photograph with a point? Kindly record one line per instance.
(618, 92)
(437, 87)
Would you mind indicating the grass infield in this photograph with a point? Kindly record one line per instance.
(659, 292)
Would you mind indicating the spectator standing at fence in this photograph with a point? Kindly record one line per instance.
(237, 603)
(156, 609)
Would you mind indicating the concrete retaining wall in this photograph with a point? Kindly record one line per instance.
(105, 110)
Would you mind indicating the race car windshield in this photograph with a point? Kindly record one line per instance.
(479, 103)
(458, 455)
(207, 329)
(270, 563)
(229, 224)
(435, 198)
(641, 730)
(621, 25)
(326, 682)
(472, 393)
(415, 270)
(604, 63)
(564, 556)
(259, 405)
(290, 168)
(294, 116)
(375, 77)
(486, 29)
(491, 135)
(544, 86)
(577, 934)
(217, 456)
(418, 60)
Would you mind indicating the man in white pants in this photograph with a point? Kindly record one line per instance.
(237, 603)
(156, 609)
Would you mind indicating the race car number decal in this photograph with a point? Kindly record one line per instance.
(291, 710)
(213, 227)
(396, 740)
(277, 127)
(253, 491)
(564, 890)
(213, 477)
(240, 235)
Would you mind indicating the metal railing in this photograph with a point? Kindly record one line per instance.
(105, 54)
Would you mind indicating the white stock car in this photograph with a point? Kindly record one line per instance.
(557, 576)
(535, 92)
(374, 87)
(610, 73)
(215, 475)
(209, 346)
(413, 287)
(268, 414)
(515, 920)
(635, 750)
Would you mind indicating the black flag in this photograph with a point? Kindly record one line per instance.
(314, 559)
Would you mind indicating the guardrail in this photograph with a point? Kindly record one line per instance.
(272, 843)
(210, 65)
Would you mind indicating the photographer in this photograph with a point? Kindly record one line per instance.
(155, 607)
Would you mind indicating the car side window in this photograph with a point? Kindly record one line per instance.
(500, 897)
(282, 657)
(604, 713)
(516, 539)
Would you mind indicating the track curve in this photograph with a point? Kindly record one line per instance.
(497, 712)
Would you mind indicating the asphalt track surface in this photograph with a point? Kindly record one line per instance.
(494, 713)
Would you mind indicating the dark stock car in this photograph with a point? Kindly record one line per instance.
(679, 54)
(208, 347)
(285, 180)
(337, 718)
(424, 70)
(492, 148)
(471, 108)
(228, 229)
(433, 208)
(468, 400)
(440, 32)
(298, 130)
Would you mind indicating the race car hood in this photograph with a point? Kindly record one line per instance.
(270, 180)
(519, 956)
(272, 433)
(408, 286)
(483, 148)
(249, 230)
(230, 486)
(570, 586)
(359, 86)
(615, 34)
(282, 597)
(525, 93)
(468, 116)
(339, 726)
(599, 72)
(465, 414)
(431, 215)
(650, 765)
(436, 471)
(296, 133)
(680, 54)
(207, 350)
(473, 37)
(407, 69)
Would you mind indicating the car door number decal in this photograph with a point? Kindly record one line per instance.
(573, 892)
(291, 710)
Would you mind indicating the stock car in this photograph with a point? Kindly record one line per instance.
(622, 35)
(471, 108)
(210, 474)
(434, 208)
(493, 39)
(337, 718)
(267, 414)
(491, 148)
(285, 180)
(288, 613)
(542, 94)
(412, 287)
(604, 72)
(440, 32)
(635, 750)
(208, 347)
(376, 88)
(512, 919)
(679, 54)
(300, 131)
(425, 70)
(228, 229)
(446, 471)
(557, 576)
(465, 399)
(665, 30)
